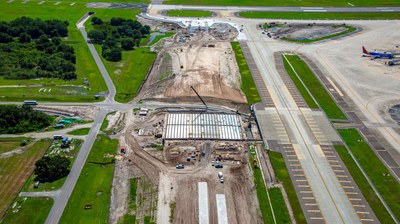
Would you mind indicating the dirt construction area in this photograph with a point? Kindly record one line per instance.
(203, 59)
(153, 160)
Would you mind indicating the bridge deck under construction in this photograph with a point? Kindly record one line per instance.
(203, 126)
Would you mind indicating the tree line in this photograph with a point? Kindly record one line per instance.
(116, 35)
(27, 53)
(21, 119)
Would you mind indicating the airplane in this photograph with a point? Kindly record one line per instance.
(376, 54)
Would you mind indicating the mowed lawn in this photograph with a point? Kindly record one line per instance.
(15, 168)
(93, 188)
(286, 2)
(86, 68)
(282, 174)
(315, 87)
(321, 15)
(189, 13)
(81, 131)
(248, 86)
(374, 202)
(380, 176)
(34, 210)
(129, 73)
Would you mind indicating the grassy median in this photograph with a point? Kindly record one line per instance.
(321, 15)
(189, 13)
(314, 86)
(248, 86)
(282, 174)
(380, 176)
(90, 199)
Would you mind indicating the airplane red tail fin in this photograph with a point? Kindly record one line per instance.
(365, 50)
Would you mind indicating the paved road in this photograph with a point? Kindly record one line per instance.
(69, 185)
(70, 182)
(330, 196)
(278, 9)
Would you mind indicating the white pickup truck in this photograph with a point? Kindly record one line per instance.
(221, 177)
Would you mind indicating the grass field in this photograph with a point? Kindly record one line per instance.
(93, 186)
(85, 65)
(315, 87)
(286, 2)
(275, 194)
(282, 174)
(81, 131)
(248, 86)
(302, 89)
(349, 29)
(321, 15)
(372, 199)
(128, 74)
(55, 185)
(16, 168)
(33, 210)
(159, 37)
(380, 176)
(189, 13)
(7, 144)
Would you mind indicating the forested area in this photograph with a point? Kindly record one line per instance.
(21, 119)
(32, 48)
(116, 35)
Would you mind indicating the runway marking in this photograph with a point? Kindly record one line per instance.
(361, 206)
(313, 211)
(335, 87)
(309, 204)
(351, 193)
(367, 220)
(315, 10)
(355, 199)
(305, 198)
(320, 218)
(362, 212)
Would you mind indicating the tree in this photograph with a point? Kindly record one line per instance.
(49, 169)
(5, 38)
(113, 54)
(127, 44)
(96, 21)
(97, 36)
(25, 38)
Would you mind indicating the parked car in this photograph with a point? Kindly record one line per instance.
(180, 166)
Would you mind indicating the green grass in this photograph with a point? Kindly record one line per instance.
(159, 37)
(81, 131)
(57, 184)
(189, 13)
(128, 219)
(132, 196)
(315, 87)
(85, 66)
(381, 213)
(286, 2)
(129, 73)
(104, 125)
(93, 186)
(275, 194)
(321, 15)
(16, 169)
(8, 144)
(303, 91)
(248, 86)
(349, 29)
(282, 174)
(147, 220)
(380, 176)
(33, 210)
(172, 211)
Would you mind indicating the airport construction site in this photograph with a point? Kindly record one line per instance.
(175, 154)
